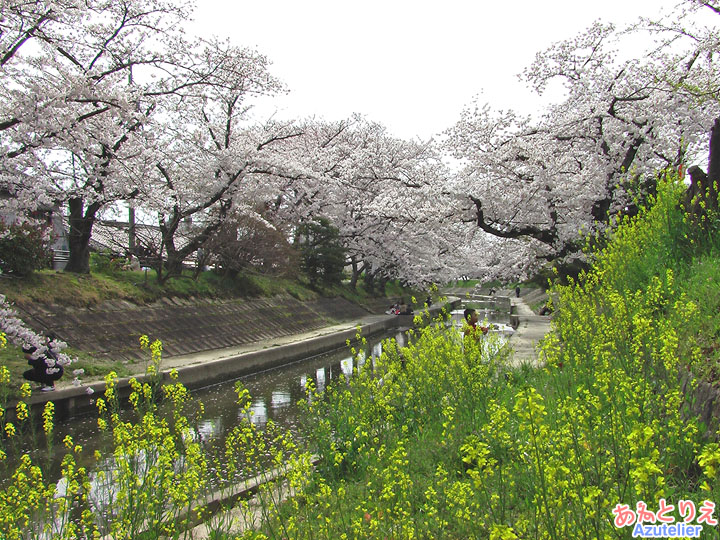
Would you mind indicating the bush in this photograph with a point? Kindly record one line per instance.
(106, 262)
(248, 243)
(23, 249)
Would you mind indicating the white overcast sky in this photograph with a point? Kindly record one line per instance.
(410, 65)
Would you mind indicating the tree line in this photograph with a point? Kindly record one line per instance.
(106, 103)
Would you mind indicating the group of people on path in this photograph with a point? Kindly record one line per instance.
(400, 308)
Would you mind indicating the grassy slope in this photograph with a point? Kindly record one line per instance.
(455, 448)
(89, 290)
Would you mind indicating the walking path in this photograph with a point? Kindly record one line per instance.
(531, 329)
(209, 356)
(527, 336)
(207, 367)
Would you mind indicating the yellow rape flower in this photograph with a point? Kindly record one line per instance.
(21, 411)
(48, 415)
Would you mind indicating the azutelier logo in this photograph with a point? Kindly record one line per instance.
(662, 522)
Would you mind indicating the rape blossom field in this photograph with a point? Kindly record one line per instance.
(438, 439)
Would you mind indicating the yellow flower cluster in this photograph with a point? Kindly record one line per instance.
(438, 439)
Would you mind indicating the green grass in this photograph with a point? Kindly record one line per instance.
(700, 282)
(112, 283)
(85, 290)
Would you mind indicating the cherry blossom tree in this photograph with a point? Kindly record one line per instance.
(586, 159)
(19, 334)
(373, 187)
(690, 35)
(70, 116)
(207, 150)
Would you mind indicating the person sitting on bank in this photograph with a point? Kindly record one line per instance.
(404, 309)
(472, 327)
(133, 264)
(45, 368)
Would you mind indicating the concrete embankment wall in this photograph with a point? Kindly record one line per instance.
(74, 401)
(185, 326)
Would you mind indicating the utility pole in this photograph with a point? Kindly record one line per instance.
(131, 209)
(131, 230)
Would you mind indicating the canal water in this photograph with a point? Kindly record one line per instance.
(274, 396)
(275, 393)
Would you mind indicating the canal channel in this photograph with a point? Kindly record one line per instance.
(274, 393)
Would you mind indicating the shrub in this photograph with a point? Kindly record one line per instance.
(106, 262)
(23, 249)
(249, 243)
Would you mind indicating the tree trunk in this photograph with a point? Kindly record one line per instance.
(381, 283)
(173, 263)
(714, 164)
(702, 195)
(357, 269)
(369, 281)
(79, 236)
(131, 231)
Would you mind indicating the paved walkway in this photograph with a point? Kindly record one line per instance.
(525, 340)
(213, 364)
(186, 326)
(531, 330)
(527, 336)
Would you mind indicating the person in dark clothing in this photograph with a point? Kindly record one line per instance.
(45, 368)
(404, 309)
(517, 291)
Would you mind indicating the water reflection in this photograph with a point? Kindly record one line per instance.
(320, 379)
(258, 412)
(275, 394)
(346, 366)
(280, 398)
(209, 428)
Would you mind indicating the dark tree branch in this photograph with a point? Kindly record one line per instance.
(547, 236)
(26, 36)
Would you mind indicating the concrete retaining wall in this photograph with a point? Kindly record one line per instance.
(185, 326)
(75, 401)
